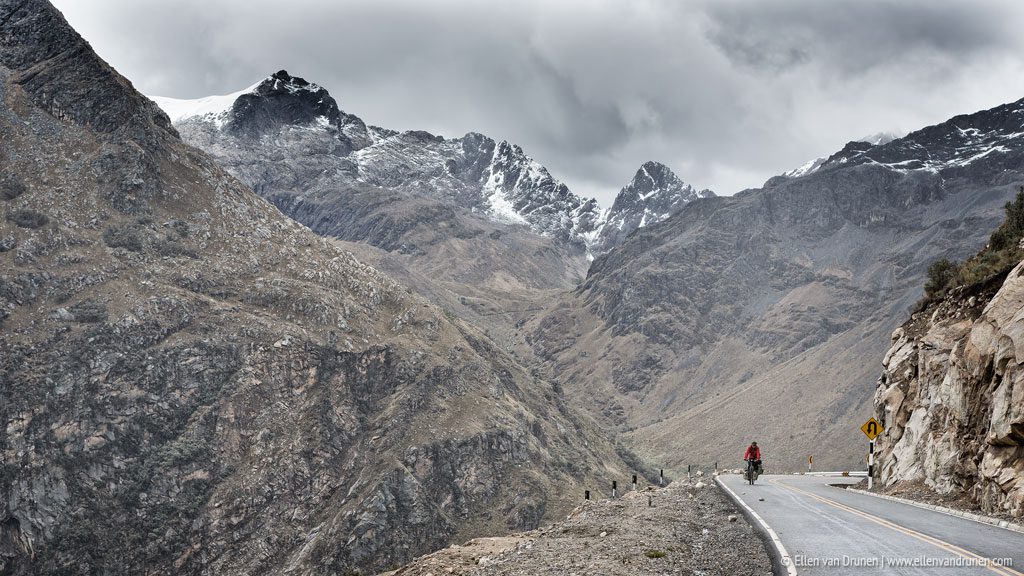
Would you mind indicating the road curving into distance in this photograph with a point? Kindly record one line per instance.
(828, 530)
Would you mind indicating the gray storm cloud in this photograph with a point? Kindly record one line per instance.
(726, 92)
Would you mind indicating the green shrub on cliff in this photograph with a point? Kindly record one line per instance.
(940, 275)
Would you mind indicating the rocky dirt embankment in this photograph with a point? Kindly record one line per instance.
(952, 398)
(689, 527)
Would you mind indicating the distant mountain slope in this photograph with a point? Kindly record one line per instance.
(475, 225)
(761, 316)
(192, 383)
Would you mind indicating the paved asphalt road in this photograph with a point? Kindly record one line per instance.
(821, 526)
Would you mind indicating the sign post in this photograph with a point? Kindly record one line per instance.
(872, 429)
(810, 460)
(871, 463)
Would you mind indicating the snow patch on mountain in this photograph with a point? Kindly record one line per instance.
(498, 205)
(210, 108)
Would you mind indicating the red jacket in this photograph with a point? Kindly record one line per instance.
(753, 453)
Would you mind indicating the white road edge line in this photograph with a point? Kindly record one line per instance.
(786, 560)
(979, 518)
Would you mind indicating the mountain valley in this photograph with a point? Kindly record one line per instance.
(253, 334)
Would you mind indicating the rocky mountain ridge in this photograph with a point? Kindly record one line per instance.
(813, 165)
(194, 383)
(494, 179)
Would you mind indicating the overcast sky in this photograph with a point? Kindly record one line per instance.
(725, 92)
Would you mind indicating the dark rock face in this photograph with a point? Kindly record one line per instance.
(654, 194)
(282, 99)
(194, 384)
(49, 60)
(769, 302)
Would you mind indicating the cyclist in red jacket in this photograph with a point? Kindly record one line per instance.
(753, 452)
(752, 458)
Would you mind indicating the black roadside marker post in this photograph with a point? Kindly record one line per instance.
(634, 482)
(586, 494)
(650, 503)
(871, 463)
(662, 481)
(615, 488)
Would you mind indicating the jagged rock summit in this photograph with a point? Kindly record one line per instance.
(282, 99)
(193, 383)
(654, 194)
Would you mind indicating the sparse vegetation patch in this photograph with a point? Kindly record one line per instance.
(28, 218)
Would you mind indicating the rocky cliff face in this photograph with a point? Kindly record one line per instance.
(951, 397)
(193, 383)
(654, 194)
(751, 316)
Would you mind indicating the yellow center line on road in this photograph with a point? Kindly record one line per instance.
(967, 554)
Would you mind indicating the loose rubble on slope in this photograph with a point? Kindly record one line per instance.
(689, 527)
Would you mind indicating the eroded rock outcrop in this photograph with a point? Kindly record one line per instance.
(951, 397)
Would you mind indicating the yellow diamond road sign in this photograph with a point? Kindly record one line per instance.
(872, 429)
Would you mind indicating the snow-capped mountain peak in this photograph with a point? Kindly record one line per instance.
(277, 99)
(654, 194)
(954, 147)
(307, 143)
